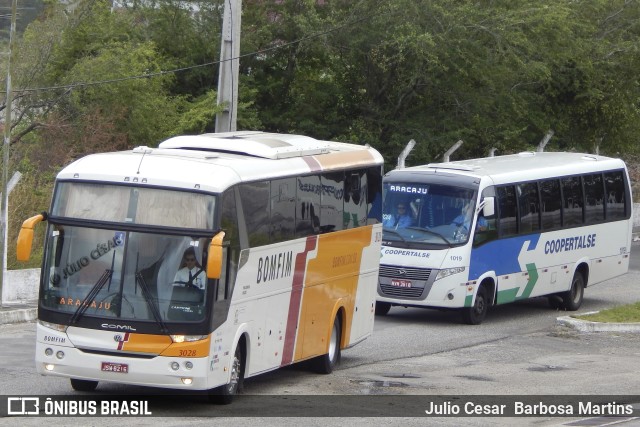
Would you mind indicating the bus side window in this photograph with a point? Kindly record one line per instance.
(355, 200)
(308, 191)
(507, 211)
(488, 231)
(594, 198)
(255, 205)
(230, 257)
(572, 201)
(615, 195)
(332, 202)
(283, 209)
(529, 206)
(551, 204)
(374, 195)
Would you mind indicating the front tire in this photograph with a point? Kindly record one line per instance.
(475, 314)
(572, 299)
(382, 308)
(83, 385)
(226, 394)
(326, 363)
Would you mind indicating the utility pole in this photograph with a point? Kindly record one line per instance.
(4, 206)
(229, 66)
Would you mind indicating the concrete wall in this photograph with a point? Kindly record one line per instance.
(21, 286)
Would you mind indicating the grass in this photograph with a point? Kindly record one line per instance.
(629, 313)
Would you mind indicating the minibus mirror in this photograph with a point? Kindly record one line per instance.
(25, 238)
(489, 207)
(214, 258)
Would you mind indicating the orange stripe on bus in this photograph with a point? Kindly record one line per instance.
(294, 302)
(331, 281)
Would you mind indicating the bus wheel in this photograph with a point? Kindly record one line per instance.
(382, 308)
(83, 385)
(475, 314)
(572, 299)
(326, 363)
(225, 394)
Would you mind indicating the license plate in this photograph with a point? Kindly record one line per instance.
(401, 283)
(115, 367)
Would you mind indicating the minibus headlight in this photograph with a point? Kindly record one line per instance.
(448, 272)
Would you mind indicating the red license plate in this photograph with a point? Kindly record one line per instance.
(401, 283)
(115, 367)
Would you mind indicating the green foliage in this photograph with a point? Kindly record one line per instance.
(493, 73)
(186, 34)
(141, 108)
(198, 116)
(629, 313)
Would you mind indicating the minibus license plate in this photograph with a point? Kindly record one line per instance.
(401, 283)
(115, 367)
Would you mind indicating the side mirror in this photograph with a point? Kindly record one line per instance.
(489, 207)
(214, 259)
(25, 238)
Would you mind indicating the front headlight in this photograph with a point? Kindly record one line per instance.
(54, 326)
(187, 338)
(448, 272)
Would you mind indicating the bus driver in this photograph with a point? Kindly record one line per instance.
(191, 273)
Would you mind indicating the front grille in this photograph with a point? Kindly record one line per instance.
(409, 273)
(398, 292)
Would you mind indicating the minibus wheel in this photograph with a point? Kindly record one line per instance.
(475, 314)
(83, 385)
(382, 308)
(572, 299)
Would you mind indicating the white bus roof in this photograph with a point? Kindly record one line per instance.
(214, 162)
(521, 167)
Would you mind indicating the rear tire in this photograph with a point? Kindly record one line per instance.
(83, 385)
(572, 299)
(475, 314)
(225, 394)
(382, 308)
(326, 363)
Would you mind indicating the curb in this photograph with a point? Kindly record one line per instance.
(18, 316)
(588, 326)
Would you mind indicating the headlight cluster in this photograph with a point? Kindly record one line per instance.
(445, 272)
(187, 338)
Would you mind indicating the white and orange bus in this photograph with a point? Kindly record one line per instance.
(208, 260)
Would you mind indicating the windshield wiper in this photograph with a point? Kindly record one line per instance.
(430, 232)
(153, 307)
(91, 295)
